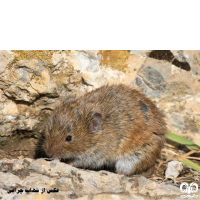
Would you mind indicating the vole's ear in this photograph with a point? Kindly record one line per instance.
(95, 122)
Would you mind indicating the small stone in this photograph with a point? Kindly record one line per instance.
(174, 168)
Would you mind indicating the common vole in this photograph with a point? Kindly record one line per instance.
(112, 126)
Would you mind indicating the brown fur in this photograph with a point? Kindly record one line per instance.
(113, 125)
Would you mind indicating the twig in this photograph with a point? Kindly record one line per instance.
(194, 158)
(160, 164)
(189, 153)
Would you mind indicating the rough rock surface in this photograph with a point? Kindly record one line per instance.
(33, 83)
(75, 183)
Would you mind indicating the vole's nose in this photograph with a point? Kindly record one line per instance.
(53, 152)
(49, 154)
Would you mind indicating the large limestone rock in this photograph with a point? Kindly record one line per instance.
(75, 183)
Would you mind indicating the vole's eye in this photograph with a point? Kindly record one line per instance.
(68, 138)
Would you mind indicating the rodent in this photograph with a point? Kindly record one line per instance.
(112, 126)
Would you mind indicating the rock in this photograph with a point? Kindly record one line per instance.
(192, 57)
(96, 80)
(179, 55)
(174, 168)
(135, 63)
(26, 80)
(32, 180)
(140, 52)
(20, 85)
(85, 181)
(19, 116)
(10, 110)
(8, 180)
(112, 197)
(180, 102)
(56, 58)
(6, 57)
(93, 183)
(85, 61)
(151, 78)
(75, 183)
(148, 187)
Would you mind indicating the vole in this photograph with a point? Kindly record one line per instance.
(113, 126)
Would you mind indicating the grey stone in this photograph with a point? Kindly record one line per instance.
(174, 168)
